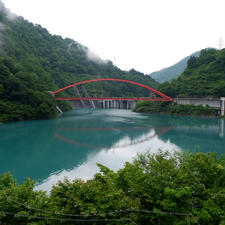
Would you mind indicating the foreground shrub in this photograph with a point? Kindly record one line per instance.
(154, 189)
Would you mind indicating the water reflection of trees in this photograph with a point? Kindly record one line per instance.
(37, 148)
(195, 133)
(32, 149)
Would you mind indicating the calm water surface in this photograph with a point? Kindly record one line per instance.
(70, 146)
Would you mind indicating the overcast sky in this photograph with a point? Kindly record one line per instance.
(146, 35)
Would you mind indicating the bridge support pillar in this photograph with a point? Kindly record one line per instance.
(113, 104)
(222, 128)
(222, 106)
(117, 104)
(120, 104)
(130, 104)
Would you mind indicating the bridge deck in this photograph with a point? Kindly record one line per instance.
(115, 98)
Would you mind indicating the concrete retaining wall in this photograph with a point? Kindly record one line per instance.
(118, 104)
(107, 104)
(212, 102)
(218, 103)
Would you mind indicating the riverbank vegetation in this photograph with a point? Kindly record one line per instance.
(33, 62)
(174, 108)
(161, 188)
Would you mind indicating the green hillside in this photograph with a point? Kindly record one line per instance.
(203, 77)
(33, 62)
(172, 72)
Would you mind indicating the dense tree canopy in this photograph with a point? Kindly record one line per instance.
(203, 77)
(160, 189)
(33, 62)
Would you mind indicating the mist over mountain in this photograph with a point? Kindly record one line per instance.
(33, 62)
(172, 72)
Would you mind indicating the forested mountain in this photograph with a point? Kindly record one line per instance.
(33, 62)
(203, 77)
(172, 72)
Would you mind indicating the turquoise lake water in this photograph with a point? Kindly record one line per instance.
(71, 145)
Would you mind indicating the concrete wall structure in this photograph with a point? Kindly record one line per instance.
(117, 104)
(107, 104)
(212, 102)
(222, 106)
(222, 128)
(218, 103)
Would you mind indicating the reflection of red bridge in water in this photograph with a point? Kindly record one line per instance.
(164, 97)
(162, 130)
(87, 98)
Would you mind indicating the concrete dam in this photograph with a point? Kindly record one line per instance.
(105, 104)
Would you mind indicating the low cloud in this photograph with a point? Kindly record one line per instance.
(91, 55)
(9, 15)
(7, 12)
(94, 57)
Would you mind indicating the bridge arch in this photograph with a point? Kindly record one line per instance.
(165, 97)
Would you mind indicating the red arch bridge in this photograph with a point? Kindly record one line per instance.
(111, 100)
